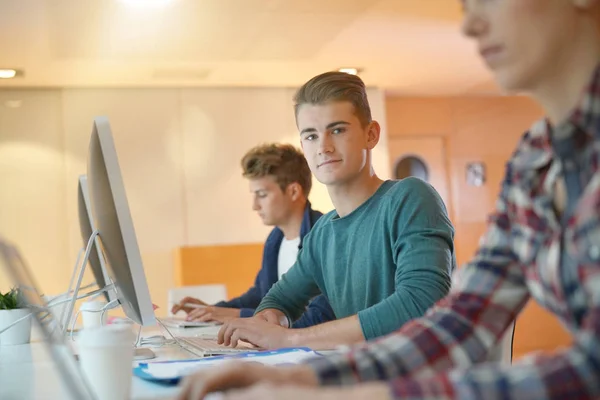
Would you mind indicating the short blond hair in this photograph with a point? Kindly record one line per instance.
(282, 161)
(335, 86)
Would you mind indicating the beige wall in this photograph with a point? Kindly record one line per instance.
(179, 153)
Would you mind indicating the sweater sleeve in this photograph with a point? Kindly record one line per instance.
(424, 256)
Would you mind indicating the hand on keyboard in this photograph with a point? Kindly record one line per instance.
(255, 331)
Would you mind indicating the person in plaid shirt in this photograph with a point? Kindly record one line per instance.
(543, 241)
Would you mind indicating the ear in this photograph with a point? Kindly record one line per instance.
(294, 190)
(373, 134)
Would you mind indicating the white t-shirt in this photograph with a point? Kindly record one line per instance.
(288, 252)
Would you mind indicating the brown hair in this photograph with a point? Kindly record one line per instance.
(335, 86)
(282, 161)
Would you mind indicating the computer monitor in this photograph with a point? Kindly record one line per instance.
(112, 219)
(57, 347)
(86, 227)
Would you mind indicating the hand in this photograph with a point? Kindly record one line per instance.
(180, 306)
(242, 375)
(212, 313)
(270, 391)
(255, 330)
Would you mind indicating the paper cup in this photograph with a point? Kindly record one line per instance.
(91, 314)
(106, 358)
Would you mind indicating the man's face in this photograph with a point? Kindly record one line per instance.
(272, 204)
(335, 143)
(522, 42)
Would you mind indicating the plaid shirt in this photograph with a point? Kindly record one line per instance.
(527, 251)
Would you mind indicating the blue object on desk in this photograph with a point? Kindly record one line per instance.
(142, 370)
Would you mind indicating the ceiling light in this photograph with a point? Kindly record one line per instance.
(147, 3)
(8, 73)
(351, 71)
(13, 103)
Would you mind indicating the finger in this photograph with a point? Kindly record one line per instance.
(186, 388)
(197, 313)
(237, 335)
(231, 328)
(175, 309)
(207, 317)
(229, 377)
(221, 334)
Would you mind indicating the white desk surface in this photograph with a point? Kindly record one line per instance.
(28, 372)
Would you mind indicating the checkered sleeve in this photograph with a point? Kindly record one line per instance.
(458, 331)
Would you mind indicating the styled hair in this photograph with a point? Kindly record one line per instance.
(282, 161)
(335, 86)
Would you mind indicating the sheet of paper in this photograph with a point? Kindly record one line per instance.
(182, 368)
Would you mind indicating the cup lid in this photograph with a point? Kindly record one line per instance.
(92, 306)
(107, 335)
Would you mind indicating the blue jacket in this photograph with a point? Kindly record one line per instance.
(318, 311)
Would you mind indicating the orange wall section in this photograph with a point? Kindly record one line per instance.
(477, 129)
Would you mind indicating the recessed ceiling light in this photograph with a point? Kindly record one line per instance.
(8, 73)
(147, 3)
(13, 103)
(351, 71)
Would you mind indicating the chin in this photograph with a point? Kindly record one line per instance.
(512, 82)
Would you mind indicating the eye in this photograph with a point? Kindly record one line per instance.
(337, 131)
(310, 137)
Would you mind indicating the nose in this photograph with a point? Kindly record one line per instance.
(474, 24)
(255, 205)
(326, 144)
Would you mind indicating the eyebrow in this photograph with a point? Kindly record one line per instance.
(329, 126)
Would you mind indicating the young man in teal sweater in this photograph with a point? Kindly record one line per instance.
(382, 257)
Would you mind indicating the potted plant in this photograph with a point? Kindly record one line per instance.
(13, 309)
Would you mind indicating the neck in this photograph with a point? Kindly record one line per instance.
(348, 196)
(561, 90)
(291, 227)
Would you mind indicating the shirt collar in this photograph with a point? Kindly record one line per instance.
(583, 124)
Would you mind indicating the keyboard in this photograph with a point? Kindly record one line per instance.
(204, 347)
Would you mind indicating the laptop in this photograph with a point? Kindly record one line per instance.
(55, 342)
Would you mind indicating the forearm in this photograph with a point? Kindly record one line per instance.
(329, 335)
(284, 297)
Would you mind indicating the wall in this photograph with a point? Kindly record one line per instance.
(179, 152)
(483, 129)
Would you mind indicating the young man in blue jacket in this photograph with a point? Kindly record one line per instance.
(280, 181)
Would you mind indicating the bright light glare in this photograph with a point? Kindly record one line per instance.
(7, 73)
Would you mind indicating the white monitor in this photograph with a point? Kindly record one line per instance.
(112, 219)
(57, 347)
(86, 228)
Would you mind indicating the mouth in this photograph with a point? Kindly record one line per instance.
(328, 162)
(491, 53)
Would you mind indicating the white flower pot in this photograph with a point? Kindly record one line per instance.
(19, 333)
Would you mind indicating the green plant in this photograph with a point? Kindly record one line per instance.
(11, 300)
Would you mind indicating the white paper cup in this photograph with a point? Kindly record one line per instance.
(91, 314)
(106, 359)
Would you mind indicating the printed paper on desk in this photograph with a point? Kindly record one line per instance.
(180, 368)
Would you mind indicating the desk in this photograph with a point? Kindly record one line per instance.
(27, 371)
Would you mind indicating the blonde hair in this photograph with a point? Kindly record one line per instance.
(282, 161)
(335, 86)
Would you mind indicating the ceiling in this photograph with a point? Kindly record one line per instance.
(407, 47)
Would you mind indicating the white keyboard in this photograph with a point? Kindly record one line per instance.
(204, 347)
